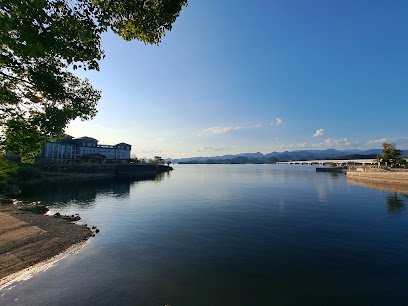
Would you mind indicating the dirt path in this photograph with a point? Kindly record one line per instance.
(27, 239)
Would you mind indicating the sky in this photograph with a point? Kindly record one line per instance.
(238, 76)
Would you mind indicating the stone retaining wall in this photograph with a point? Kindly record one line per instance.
(388, 177)
(135, 169)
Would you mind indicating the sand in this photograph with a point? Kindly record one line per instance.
(27, 239)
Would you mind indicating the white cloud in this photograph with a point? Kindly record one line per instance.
(402, 141)
(319, 132)
(278, 121)
(220, 129)
(297, 145)
(214, 149)
(256, 125)
(341, 142)
(378, 140)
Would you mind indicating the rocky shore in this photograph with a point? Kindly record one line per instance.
(28, 237)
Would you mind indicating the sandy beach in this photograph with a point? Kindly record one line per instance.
(27, 239)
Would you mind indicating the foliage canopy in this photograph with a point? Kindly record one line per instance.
(390, 154)
(41, 39)
(390, 151)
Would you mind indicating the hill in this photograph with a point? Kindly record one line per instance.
(301, 155)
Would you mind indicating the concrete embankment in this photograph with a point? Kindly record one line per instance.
(90, 174)
(396, 181)
(136, 169)
(333, 170)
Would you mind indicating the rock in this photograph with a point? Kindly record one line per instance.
(57, 215)
(97, 231)
(71, 218)
(37, 209)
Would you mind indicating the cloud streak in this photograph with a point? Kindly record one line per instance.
(401, 140)
(225, 129)
(220, 129)
(213, 149)
(377, 141)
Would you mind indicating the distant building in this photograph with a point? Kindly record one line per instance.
(73, 148)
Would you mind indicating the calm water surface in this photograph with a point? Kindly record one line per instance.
(227, 235)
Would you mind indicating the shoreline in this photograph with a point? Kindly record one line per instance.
(31, 243)
(42, 266)
(394, 181)
(51, 176)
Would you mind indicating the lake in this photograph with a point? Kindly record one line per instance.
(227, 235)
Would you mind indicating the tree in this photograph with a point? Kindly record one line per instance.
(157, 161)
(133, 159)
(390, 153)
(41, 40)
(272, 160)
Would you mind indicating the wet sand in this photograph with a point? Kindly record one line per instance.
(27, 239)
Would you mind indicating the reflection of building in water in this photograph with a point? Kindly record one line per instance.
(121, 188)
(79, 192)
(72, 148)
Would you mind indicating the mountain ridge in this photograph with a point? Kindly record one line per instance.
(285, 155)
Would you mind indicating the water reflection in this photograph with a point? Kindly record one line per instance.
(326, 185)
(83, 192)
(335, 176)
(398, 188)
(396, 204)
(249, 234)
(161, 176)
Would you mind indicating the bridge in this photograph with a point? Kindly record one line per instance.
(338, 162)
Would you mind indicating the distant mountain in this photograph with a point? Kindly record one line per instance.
(284, 156)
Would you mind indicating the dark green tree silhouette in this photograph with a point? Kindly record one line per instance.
(40, 40)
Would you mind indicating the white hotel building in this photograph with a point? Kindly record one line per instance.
(70, 148)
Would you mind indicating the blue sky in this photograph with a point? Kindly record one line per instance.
(247, 76)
